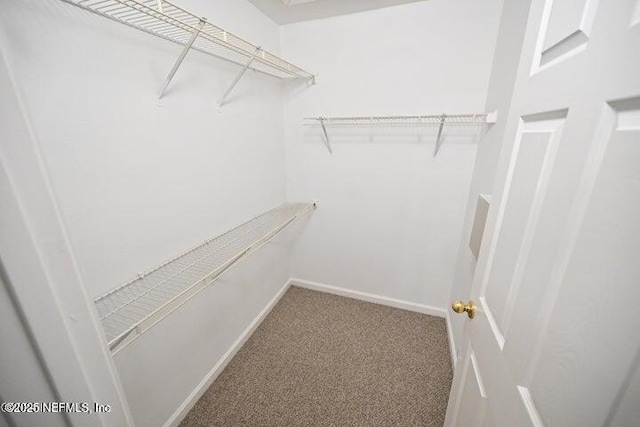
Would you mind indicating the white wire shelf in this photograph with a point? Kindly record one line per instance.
(439, 120)
(131, 309)
(436, 119)
(171, 22)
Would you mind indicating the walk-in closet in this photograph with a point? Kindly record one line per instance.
(319, 213)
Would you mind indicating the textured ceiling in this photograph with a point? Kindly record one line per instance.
(281, 13)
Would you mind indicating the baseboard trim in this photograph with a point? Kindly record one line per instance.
(364, 296)
(452, 342)
(197, 393)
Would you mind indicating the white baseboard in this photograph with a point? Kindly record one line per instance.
(206, 382)
(364, 296)
(452, 342)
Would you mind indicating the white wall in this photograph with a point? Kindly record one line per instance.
(391, 215)
(505, 62)
(137, 183)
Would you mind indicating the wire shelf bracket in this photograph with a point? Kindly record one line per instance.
(443, 118)
(183, 54)
(425, 120)
(239, 76)
(131, 309)
(327, 143)
(166, 20)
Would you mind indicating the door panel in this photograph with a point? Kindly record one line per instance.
(590, 343)
(533, 414)
(567, 29)
(555, 337)
(551, 244)
(473, 395)
(488, 419)
(534, 154)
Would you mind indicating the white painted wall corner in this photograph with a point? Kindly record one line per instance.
(206, 382)
(364, 296)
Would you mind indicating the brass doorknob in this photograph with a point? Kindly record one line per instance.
(460, 307)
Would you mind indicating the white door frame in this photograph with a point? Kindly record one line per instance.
(42, 274)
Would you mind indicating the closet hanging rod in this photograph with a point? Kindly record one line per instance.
(129, 310)
(171, 22)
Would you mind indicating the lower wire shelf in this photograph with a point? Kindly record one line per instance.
(131, 309)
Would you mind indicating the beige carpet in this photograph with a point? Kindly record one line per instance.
(326, 360)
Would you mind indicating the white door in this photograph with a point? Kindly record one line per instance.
(555, 340)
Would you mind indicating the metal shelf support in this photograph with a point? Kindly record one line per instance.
(183, 54)
(239, 76)
(326, 136)
(443, 118)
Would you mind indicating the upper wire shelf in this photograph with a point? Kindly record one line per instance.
(171, 22)
(131, 309)
(433, 119)
(416, 120)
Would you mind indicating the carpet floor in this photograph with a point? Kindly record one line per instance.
(326, 360)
